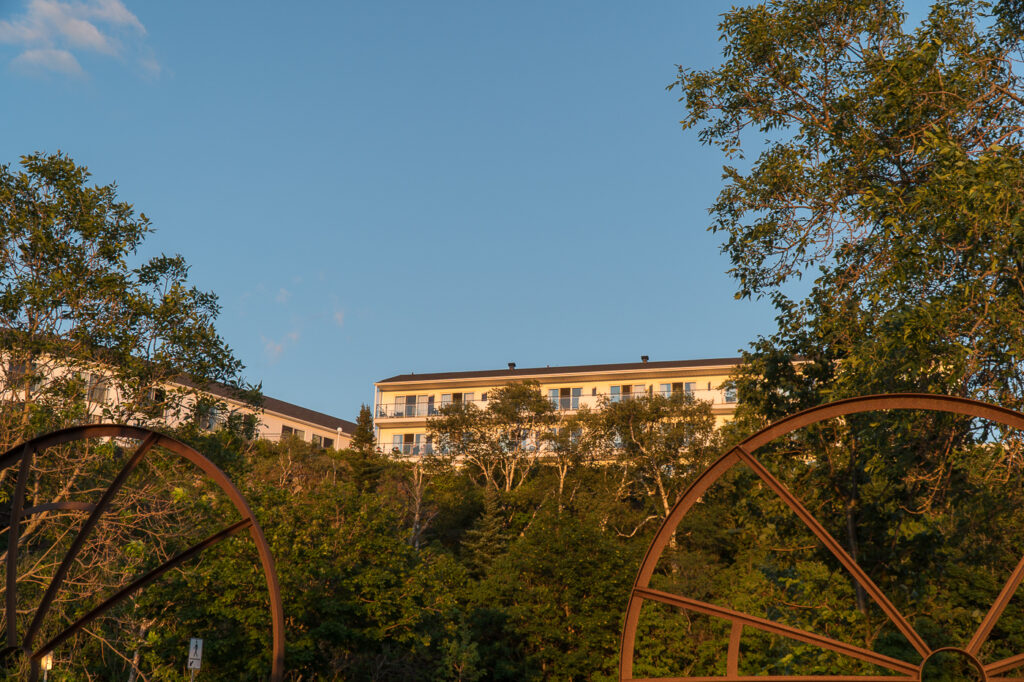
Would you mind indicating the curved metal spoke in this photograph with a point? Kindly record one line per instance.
(23, 452)
(744, 452)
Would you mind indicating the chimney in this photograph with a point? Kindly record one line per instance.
(511, 366)
(644, 359)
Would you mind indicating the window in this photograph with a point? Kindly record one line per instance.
(412, 406)
(690, 387)
(17, 370)
(627, 391)
(154, 401)
(565, 398)
(665, 390)
(318, 441)
(483, 396)
(97, 392)
(574, 435)
(208, 418)
(288, 431)
(411, 444)
(731, 395)
(449, 398)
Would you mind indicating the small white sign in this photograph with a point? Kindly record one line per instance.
(195, 653)
(47, 662)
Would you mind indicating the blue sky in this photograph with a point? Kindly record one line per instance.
(374, 188)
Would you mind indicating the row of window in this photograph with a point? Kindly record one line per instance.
(567, 398)
(96, 386)
(317, 440)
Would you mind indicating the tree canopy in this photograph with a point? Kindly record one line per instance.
(885, 162)
(88, 329)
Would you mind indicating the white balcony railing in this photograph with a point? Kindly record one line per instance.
(424, 408)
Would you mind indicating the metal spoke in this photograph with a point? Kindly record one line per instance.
(12, 548)
(83, 534)
(138, 584)
(744, 452)
(998, 606)
(780, 678)
(1004, 665)
(779, 629)
(149, 438)
(837, 550)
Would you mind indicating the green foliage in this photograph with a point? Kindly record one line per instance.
(78, 318)
(886, 163)
(363, 439)
(502, 441)
(892, 169)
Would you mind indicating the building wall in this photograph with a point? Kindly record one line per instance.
(394, 416)
(272, 427)
(100, 391)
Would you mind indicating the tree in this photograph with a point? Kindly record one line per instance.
(661, 443)
(890, 168)
(80, 325)
(363, 439)
(88, 332)
(501, 442)
(892, 164)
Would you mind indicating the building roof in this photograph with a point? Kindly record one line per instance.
(281, 407)
(567, 369)
(297, 412)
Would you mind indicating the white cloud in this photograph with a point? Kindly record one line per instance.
(50, 31)
(339, 317)
(60, 61)
(283, 295)
(275, 349)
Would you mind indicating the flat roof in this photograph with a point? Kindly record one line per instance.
(566, 369)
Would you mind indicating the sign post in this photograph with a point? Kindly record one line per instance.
(195, 656)
(47, 665)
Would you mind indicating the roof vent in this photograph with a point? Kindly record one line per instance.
(644, 359)
(511, 365)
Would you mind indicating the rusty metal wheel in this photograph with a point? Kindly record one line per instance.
(148, 440)
(968, 656)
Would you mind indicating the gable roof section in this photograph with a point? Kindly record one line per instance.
(281, 407)
(567, 369)
(305, 414)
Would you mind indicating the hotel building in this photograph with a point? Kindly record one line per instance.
(275, 420)
(403, 403)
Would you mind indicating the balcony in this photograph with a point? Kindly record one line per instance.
(422, 410)
(407, 449)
